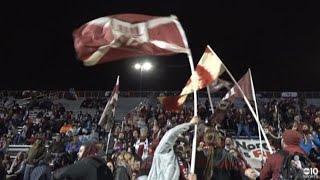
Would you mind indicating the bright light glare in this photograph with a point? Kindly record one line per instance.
(147, 66)
(137, 66)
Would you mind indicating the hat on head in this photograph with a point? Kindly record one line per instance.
(291, 137)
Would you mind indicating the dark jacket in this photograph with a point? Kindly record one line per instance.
(2, 171)
(225, 166)
(121, 173)
(92, 168)
(271, 168)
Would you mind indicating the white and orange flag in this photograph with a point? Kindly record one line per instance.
(245, 85)
(122, 36)
(107, 118)
(208, 70)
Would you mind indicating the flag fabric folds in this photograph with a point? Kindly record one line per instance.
(122, 36)
(220, 84)
(107, 118)
(245, 85)
(172, 103)
(208, 70)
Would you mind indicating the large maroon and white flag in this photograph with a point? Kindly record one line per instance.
(122, 36)
(107, 118)
(208, 70)
(245, 85)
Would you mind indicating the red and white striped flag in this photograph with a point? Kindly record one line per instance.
(107, 118)
(122, 36)
(245, 85)
(208, 70)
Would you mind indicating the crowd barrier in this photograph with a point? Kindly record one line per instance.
(202, 93)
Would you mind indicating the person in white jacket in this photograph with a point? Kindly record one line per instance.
(165, 164)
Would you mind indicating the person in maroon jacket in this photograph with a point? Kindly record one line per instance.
(290, 144)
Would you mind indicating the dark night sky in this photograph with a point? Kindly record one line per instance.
(279, 40)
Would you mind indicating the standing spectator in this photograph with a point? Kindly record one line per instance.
(165, 164)
(242, 124)
(306, 142)
(90, 166)
(141, 146)
(290, 145)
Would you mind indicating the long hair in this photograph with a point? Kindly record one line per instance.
(90, 149)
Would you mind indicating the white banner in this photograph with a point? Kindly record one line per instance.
(289, 94)
(250, 150)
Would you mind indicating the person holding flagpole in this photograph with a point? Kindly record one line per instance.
(165, 163)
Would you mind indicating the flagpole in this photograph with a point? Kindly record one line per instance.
(195, 112)
(249, 105)
(251, 109)
(278, 119)
(122, 126)
(195, 99)
(256, 107)
(109, 134)
(210, 100)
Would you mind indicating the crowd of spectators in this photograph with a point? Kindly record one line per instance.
(63, 141)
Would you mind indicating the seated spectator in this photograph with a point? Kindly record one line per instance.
(7, 162)
(73, 146)
(2, 167)
(141, 146)
(123, 169)
(57, 146)
(37, 163)
(17, 167)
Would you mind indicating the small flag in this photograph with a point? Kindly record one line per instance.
(208, 70)
(245, 85)
(107, 118)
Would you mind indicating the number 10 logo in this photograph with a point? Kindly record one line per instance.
(311, 172)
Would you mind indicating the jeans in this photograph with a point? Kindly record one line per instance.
(243, 127)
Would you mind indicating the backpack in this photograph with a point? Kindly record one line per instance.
(103, 172)
(289, 169)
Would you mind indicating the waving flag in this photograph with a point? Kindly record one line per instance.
(245, 85)
(121, 36)
(172, 103)
(220, 84)
(208, 70)
(108, 115)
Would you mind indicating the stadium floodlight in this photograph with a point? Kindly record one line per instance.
(137, 66)
(147, 66)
